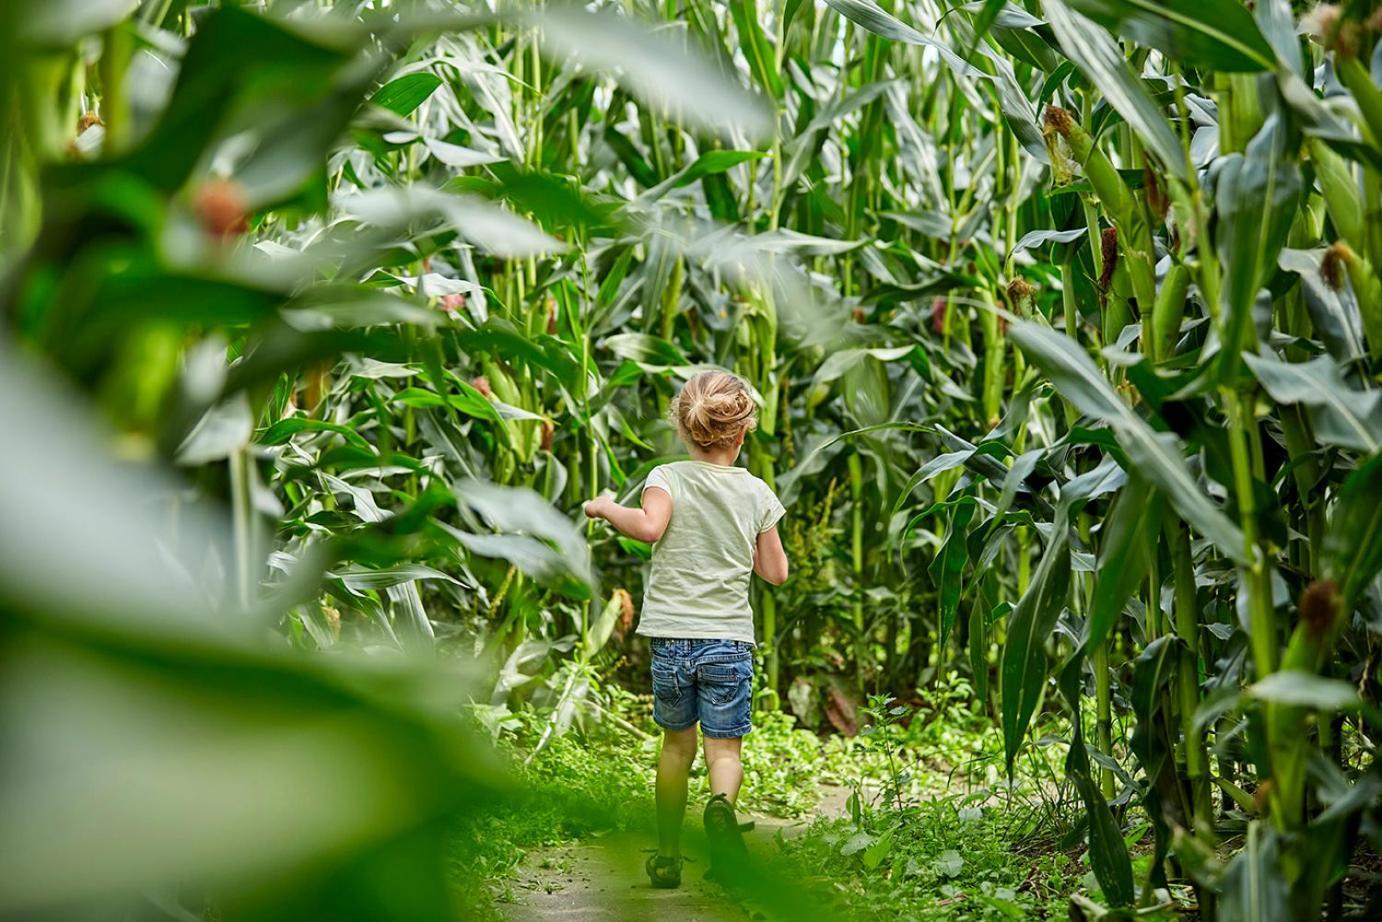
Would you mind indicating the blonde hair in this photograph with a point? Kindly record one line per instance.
(713, 410)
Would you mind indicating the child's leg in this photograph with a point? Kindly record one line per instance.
(722, 761)
(673, 767)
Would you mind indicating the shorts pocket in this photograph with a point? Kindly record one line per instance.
(723, 682)
(665, 686)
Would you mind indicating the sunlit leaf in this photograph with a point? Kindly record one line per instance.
(654, 66)
(1218, 34)
(486, 226)
(1099, 57)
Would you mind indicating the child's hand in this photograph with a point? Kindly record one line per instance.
(595, 508)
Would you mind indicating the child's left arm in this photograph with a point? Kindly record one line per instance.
(645, 524)
(769, 558)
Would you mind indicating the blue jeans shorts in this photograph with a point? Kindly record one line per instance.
(710, 681)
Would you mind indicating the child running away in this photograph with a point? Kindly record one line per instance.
(712, 525)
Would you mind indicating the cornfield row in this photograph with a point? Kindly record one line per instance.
(1065, 317)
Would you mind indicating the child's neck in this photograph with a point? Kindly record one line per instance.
(724, 456)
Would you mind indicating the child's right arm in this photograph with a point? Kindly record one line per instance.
(769, 558)
(646, 524)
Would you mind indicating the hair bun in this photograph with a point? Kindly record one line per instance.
(714, 409)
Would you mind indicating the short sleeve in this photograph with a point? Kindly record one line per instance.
(660, 478)
(771, 511)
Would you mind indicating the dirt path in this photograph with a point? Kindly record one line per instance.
(602, 877)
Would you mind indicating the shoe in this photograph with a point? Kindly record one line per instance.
(664, 873)
(722, 828)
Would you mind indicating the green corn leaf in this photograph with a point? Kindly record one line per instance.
(1108, 852)
(1152, 673)
(803, 148)
(1277, 23)
(785, 240)
(283, 430)
(947, 570)
(1016, 108)
(1157, 456)
(1334, 312)
(1256, 196)
(602, 628)
(979, 641)
(1353, 541)
(984, 17)
(1092, 484)
(1216, 34)
(223, 430)
(753, 42)
(646, 350)
(237, 59)
(1353, 74)
(656, 67)
(724, 207)
(789, 13)
(404, 95)
(1020, 34)
(531, 556)
(469, 401)
(482, 223)
(1075, 375)
(365, 579)
(1340, 191)
(1042, 236)
(875, 19)
(1023, 665)
(711, 162)
(839, 363)
(552, 200)
(1101, 60)
(1254, 884)
(628, 154)
(1317, 120)
(546, 352)
(58, 24)
(1015, 480)
(1013, 100)
(1307, 690)
(517, 509)
(1341, 415)
(1127, 544)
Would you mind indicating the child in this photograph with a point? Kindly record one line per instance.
(712, 525)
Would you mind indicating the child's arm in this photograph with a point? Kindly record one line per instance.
(769, 559)
(646, 524)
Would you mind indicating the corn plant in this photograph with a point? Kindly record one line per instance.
(1212, 438)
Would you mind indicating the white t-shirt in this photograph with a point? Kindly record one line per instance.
(703, 564)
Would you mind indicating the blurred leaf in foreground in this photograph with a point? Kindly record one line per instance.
(154, 736)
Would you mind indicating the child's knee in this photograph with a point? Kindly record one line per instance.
(680, 743)
(722, 750)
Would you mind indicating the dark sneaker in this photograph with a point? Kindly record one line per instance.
(664, 873)
(722, 828)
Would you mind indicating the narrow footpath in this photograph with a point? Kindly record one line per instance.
(601, 877)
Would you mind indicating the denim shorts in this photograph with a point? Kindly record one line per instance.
(710, 681)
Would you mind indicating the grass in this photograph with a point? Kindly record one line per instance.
(939, 859)
(933, 832)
